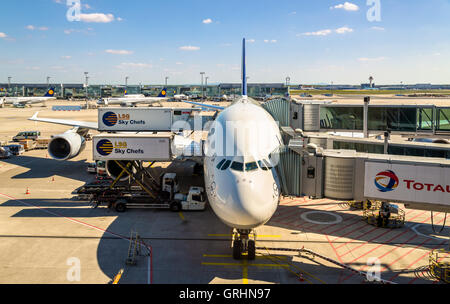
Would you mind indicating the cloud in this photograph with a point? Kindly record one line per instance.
(119, 52)
(251, 40)
(43, 28)
(377, 28)
(270, 41)
(66, 57)
(207, 21)
(376, 59)
(3, 35)
(344, 30)
(347, 6)
(178, 63)
(318, 33)
(30, 27)
(293, 13)
(189, 48)
(326, 32)
(97, 18)
(134, 65)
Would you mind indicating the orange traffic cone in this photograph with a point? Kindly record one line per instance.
(300, 278)
(28, 191)
(53, 179)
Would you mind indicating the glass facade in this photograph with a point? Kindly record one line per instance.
(443, 119)
(393, 149)
(397, 119)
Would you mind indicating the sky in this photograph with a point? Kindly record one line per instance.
(312, 42)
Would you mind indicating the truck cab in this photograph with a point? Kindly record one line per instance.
(194, 200)
(169, 183)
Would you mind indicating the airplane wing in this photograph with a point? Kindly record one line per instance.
(72, 123)
(205, 105)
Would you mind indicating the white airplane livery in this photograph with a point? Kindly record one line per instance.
(239, 165)
(132, 100)
(16, 101)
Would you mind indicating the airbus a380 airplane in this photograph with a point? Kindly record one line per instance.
(133, 100)
(28, 100)
(241, 182)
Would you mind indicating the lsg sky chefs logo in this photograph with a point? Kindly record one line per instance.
(110, 119)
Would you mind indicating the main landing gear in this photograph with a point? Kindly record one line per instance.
(244, 244)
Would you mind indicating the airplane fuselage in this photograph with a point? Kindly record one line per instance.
(242, 186)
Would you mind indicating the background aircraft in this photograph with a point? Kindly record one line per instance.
(133, 100)
(22, 101)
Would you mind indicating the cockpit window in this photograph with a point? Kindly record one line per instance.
(226, 165)
(237, 166)
(267, 163)
(251, 166)
(220, 164)
(262, 165)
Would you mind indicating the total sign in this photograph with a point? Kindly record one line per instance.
(407, 183)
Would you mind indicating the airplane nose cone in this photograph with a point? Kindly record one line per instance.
(253, 206)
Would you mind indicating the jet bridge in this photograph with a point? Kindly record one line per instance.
(346, 175)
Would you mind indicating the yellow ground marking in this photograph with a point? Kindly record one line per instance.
(251, 235)
(229, 256)
(272, 257)
(241, 264)
(181, 216)
(245, 273)
(118, 277)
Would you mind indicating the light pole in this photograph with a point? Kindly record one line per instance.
(202, 74)
(9, 84)
(87, 83)
(206, 86)
(167, 78)
(48, 82)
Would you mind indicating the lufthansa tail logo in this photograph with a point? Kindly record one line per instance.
(105, 147)
(110, 119)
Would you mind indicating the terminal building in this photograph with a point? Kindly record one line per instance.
(103, 91)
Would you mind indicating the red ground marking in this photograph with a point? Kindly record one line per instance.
(150, 249)
(376, 228)
(419, 259)
(350, 232)
(362, 245)
(381, 245)
(350, 215)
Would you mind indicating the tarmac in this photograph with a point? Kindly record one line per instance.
(48, 237)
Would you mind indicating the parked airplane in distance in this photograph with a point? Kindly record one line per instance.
(132, 100)
(22, 101)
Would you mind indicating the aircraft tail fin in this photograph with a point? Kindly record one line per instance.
(244, 70)
(163, 93)
(50, 92)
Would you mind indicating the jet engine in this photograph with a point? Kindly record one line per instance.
(113, 169)
(66, 146)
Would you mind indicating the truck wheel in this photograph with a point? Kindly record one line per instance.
(237, 250)
(121, 206)
(175, 207)
(251, 250)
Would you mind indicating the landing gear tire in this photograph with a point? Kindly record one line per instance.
(251, 250)
(237, 250)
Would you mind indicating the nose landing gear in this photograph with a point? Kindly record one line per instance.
(244, 244)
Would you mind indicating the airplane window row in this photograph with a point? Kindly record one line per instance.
(238, 166)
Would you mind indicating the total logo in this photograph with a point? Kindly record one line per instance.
(386, 181)
(110, 119)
